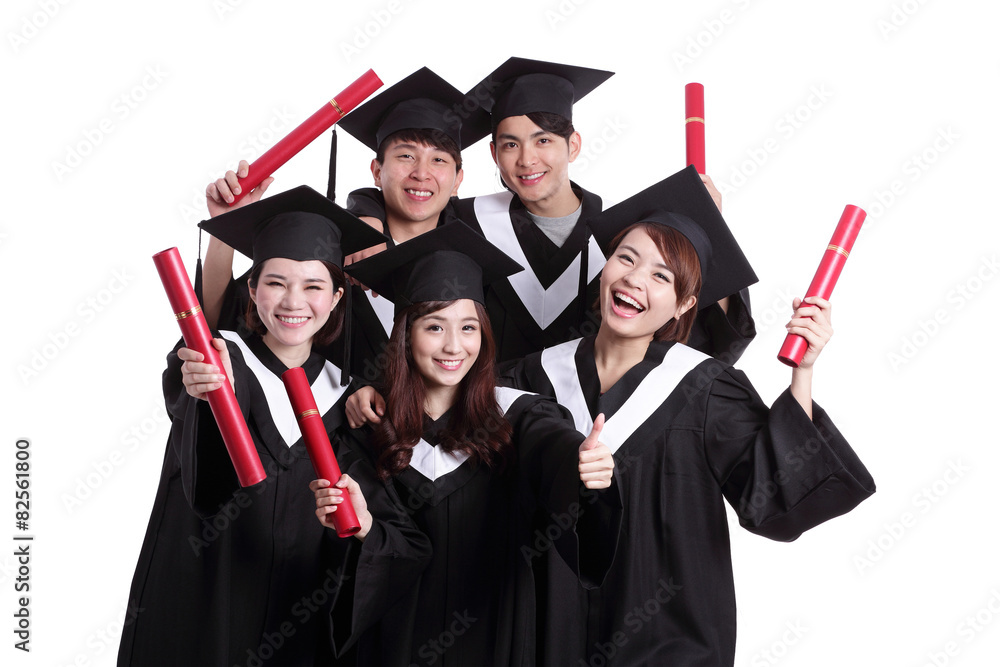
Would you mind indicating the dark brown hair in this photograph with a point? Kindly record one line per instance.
(328, 333)
(477, 424)
(552, 123)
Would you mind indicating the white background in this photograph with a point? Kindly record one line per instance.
(117, 114)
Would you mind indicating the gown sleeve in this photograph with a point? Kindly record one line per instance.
(782, 472)
(366, 202)
(378, 571)
(582, 524)
(724, 335)
(207, 474)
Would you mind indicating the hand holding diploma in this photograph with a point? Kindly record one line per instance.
(194, 328)
(304, 134)
(825, 280)
(330, 499)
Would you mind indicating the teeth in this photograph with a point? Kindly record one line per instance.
(531, 177)
(629, 300)
(292, 320)
(420, 193)
(450, 364)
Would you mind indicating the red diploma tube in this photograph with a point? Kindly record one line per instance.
(345, 520)
(303, 135)
(194, 328)
(826, 276)
(694, 124)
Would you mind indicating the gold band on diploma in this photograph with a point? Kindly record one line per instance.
(694, 119)
(837, 248)
(337, 107)
(188, 313)
(308, 413)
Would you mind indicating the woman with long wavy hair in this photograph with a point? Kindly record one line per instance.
(471, 461)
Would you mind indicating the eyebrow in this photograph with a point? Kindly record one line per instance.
(636, 252)
(438, 318)
(505, 136)
(281, 277)
(413, 147)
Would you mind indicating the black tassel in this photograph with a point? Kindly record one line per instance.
(331, 183)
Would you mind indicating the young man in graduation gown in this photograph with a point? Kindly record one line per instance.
(417, 139)
(689, 433)
(540, 219)
(229, 575)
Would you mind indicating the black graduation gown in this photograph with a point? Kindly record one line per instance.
(688, 433)
(552, 300)
(247, 576)
(474, 604)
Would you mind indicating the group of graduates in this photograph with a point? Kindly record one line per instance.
(543, 426)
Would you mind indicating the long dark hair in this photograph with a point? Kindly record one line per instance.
(477, 425)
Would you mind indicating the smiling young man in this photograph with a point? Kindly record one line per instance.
(417, 141)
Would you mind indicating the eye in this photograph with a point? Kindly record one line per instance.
(470, 328)
(626, 258)
(662, 277)
(433, 327)
(318, 288)
(510, 144)
(274, 283)
(544, 140)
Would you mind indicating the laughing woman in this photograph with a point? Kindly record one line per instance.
(471, 462)
(689, 434)
(245, 576)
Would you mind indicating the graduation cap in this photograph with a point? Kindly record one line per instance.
(421, 101)
(299, 224)
(521, 86)
(683, 203)
(447, 263)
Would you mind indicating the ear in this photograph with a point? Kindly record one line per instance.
(575, 142)
(253, 291)
(688, 304)
(458, 181)
(377, 173)
(336, 298)
(493, 152)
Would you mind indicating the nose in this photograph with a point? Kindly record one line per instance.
(292, 299)
(527, 156)
(451, 342)
(420, 170)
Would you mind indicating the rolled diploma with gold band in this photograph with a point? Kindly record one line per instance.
(694, 124)
(825, 280)
(345, 519)
(305, 133)
(197, 336)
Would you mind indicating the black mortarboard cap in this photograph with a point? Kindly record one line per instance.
(521, 86)
(299, 224)
(421, 101)
(682, 202)
(449, 262)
